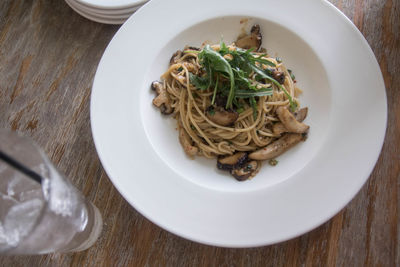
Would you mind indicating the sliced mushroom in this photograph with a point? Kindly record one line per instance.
(290, 122)
(279, 76)
(301, 114)
(232, 162)
(221, 116)
(278, 147)
(175, 57)
(186, 143)
(252, 40)
(278, 128)
(249, 170)
(162, 100)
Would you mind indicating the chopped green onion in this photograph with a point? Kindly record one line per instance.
(273, 162)
(253, 104)
(240, 110)
(291, 74)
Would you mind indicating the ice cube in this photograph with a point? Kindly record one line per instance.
(19, 221)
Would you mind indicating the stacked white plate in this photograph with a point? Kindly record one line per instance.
(106, 11)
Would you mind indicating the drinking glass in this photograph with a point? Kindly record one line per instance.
(43, 216)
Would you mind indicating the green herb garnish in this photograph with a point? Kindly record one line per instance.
(253, 104)
(215, 91)
(291, 74)
(214, 62)
(293, 105)
(211, 110)
(233, 79)
(201, 83)
(247, 93)
(273, 162)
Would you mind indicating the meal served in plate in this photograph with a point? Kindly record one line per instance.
(233, 102)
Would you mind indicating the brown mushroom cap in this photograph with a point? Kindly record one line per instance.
(193, 48)
(231, 162)
(221, 116)
(300, 115)
(277, 147)
(162, 100)
(175, 57)
(248, 170)
(252, 40)
(279, 76)
(290, 122)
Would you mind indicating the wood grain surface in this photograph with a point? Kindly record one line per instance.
(48, 58)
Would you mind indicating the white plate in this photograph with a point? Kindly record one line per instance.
(106, 19)
(139, 148)
(112, 4)
(104, 12)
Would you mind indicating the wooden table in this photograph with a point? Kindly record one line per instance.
(48, 58)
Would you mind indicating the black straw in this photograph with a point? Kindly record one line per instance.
(20, 167)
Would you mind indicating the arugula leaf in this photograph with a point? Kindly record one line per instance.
(239, 62)
(242, 80)
(248, 56)
(201, 83)
(235, 102)
(191, 51)
(210, 74)
(231, 79)
(247, 94)
(253, 104)
(215, 91)
(293, 105)
(220, 64)
(223, 49)
(264, 61)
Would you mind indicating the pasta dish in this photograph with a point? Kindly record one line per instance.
(233, 102)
